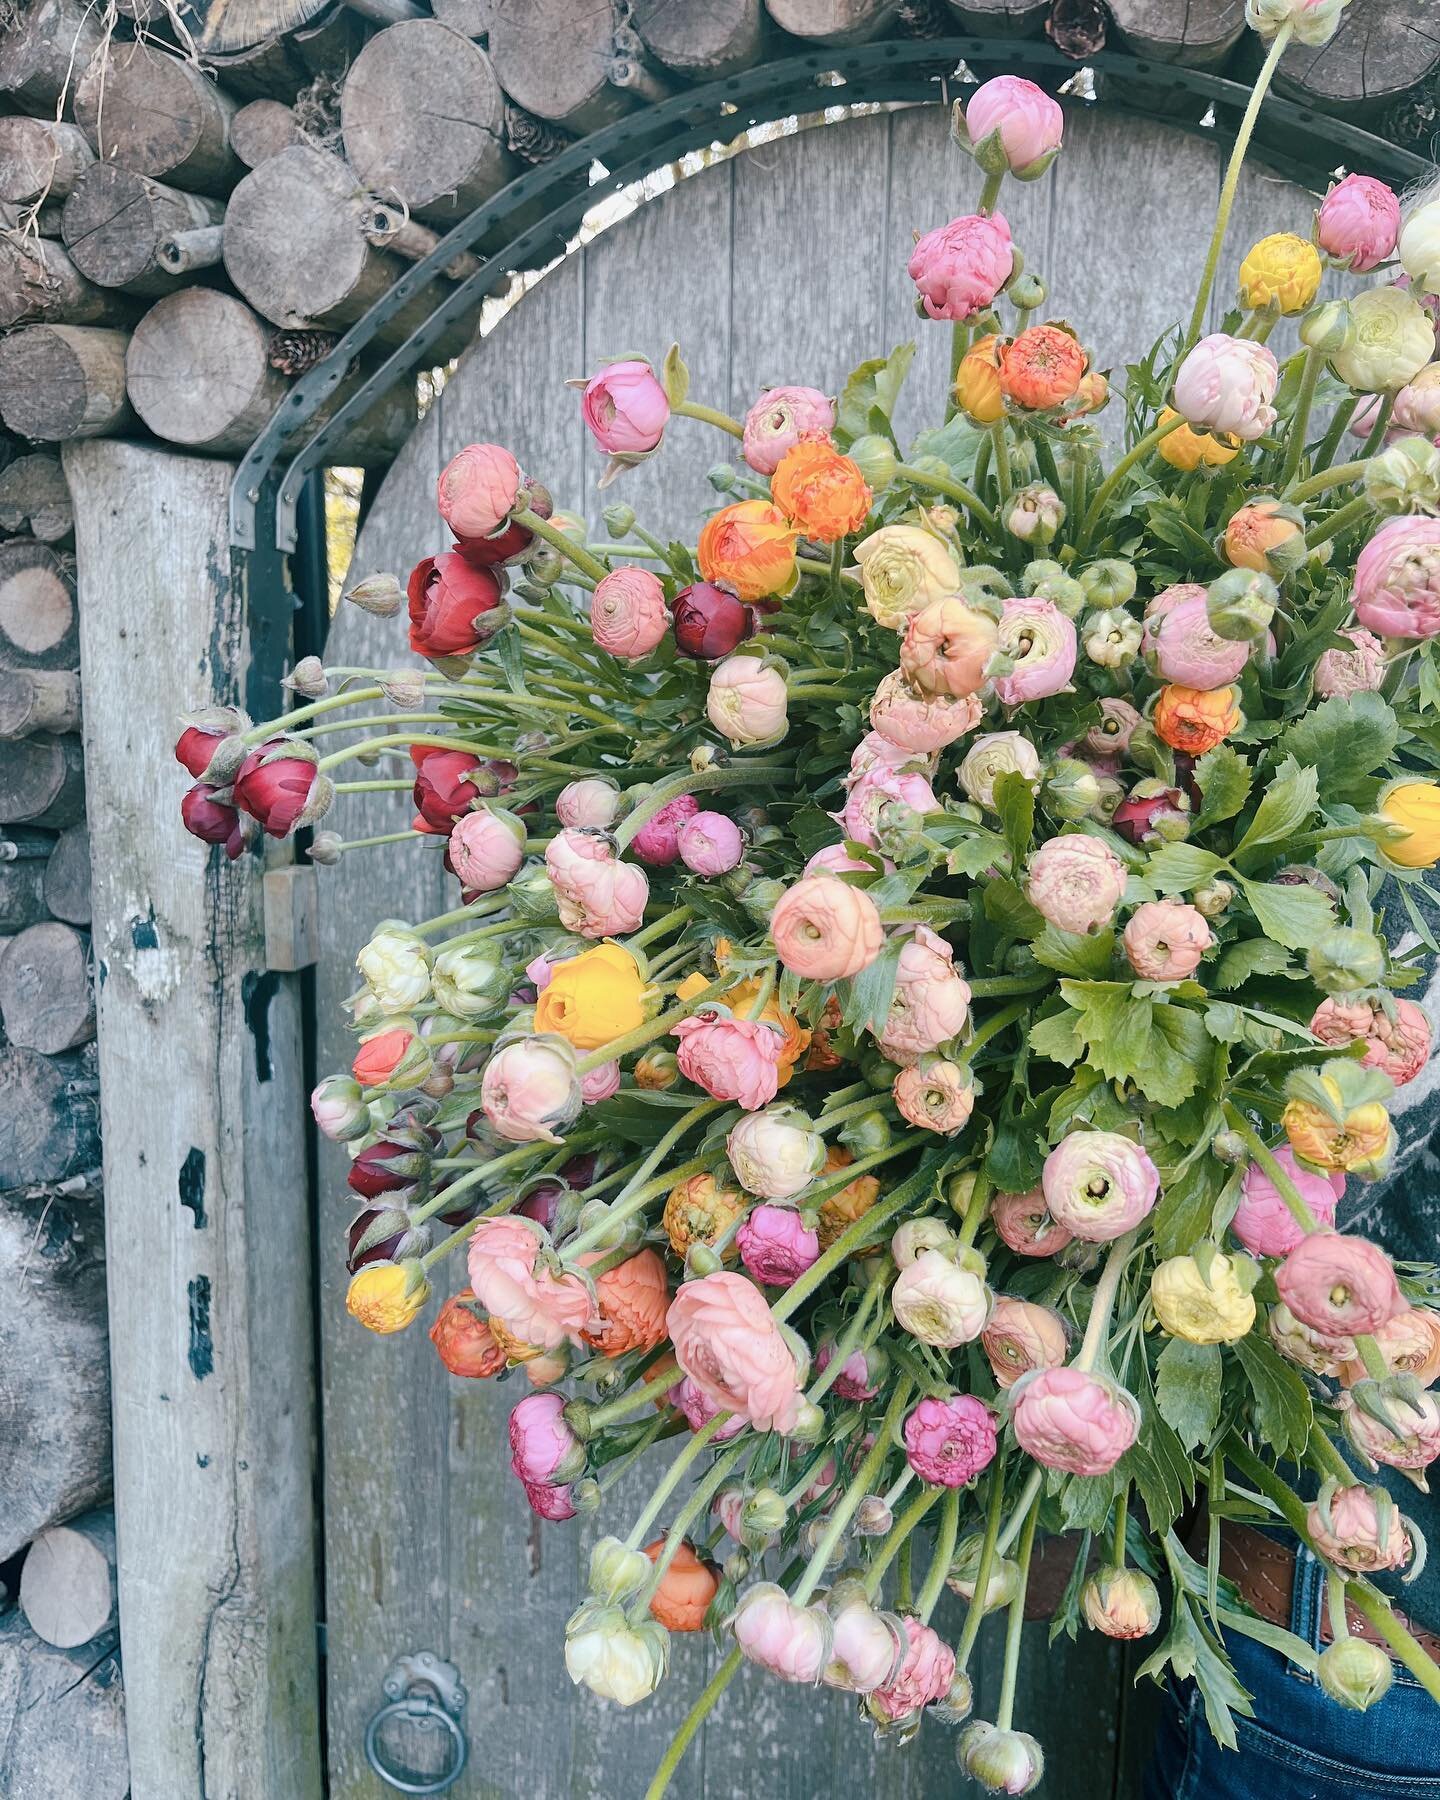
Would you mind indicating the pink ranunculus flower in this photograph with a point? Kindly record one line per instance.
(935, 1095)
(924, 1676)
(726, 1340)
(877, 752)
(544, 1309)
(1358, 224)
(478, 489)
(864, 815)
(948, 1442)
(1043, 645)
(1099, 1185)
(1165, 939)
(947, 646)
(597, 895)
(593, 802)
(1358, 671)
(1226, 384)
(698, 1410)
(1409, 1344)
(921, 723)
(858, 1379)
(543, 1448)
(959, 268)
(866, 1645)
(625, 408)
(747, 702)
(1111, 737)
(486, 848)
(781, 418)
(1263, 1222)
(657, 842)
(710, 844)
(1076, 882)
(940, 1303)
(1073, 1420)
(775, 1246)
(1025, 1226)
(628, 617)
(1180, 644)
(530, 1091)
(600, 1084)
(1030, 125)
(1022, 1335)
(553, 1504)
(1397, 580)
(790, 1641)
(1399, 1045)
(731, 1058)
(931, 1002)
(835, 859)
(1413, 1444)
(1359, 1528)
(1339, 1285)
(826, 930)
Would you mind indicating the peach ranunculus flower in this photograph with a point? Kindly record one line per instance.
(463, 1341)
(540, 1308)
(947, 646)
(837, 1211)
(935, 1095)
(632, 1299)
(825, 930)
(728, 1343)
(699, 1211)
(1042, 367)
(686, 1588)
(1021, 1335)
(1196, 719)
(821, 491)
(1410, 1344)
(750, 547)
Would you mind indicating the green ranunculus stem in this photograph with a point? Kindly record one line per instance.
(1330, 443)
(990, 193)
(959, 344)
(634, 1401)
(684, 1519)
(709, 415)
(810, 565)
(721, 775)
(1000, 439)
(1098, 1324)
(445, 1200)
(863, 1484)
(658, 928)
(1300, 419)
(951, 489)
(1016, 1621)
(994, 1025)
(387, 837)
(899, 1535)
(381, 785)
(1353, 512)
(648, 1032)
(1378, 1610)
(944, 1551)
(851, 1337)
(1107, 487)
(694, 1719)
(347, 697)
(975, 1209)
(1325, 479)
(975, 1613)
(630, 1197)
(1283, 1185)
(670, 1480)
(1371, 1355)
(1118, 1524)
(557, 540)
(1380, 427)
(904, 1598)
(1015, 1523)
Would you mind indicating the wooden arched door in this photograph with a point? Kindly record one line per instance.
(786, 264)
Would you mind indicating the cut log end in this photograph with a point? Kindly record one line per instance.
(67, 1586)
(37, 607)
(63, 381)
(35, 498)
(47, 1001)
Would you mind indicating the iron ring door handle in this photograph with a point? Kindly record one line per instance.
(421, 1708)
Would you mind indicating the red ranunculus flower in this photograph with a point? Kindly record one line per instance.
(442, 791)
(503, 546)
(708, 621)
(211, 820)
(275, 788)
(194, 748)
(454, 606)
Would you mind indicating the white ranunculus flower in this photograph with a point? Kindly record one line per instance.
(615, 1660)
(396, 967)
(775, 1153)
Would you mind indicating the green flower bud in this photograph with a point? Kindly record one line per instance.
(1109, 582)
(957, 1705)
(1229, 1147)
(875, 458)
(1404, 477)
(965, 1574)
(1240, 605)
(722, 477)
(617, 1573)
(619, 519)
(984, 582)
(1355, 1674)
(933, 465)
(1328, 327)
(809, 1426)
(1028, 292)
(531, 893)
(1343, 961)
(700, 1261)
(1003, 1762)
(585, 1495)
(1071, 789)
(958, 1190)
(866, 1134)
(762, 1518)
(1063, 591)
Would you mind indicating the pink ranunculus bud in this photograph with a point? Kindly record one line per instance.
(731, 1058)
(790, 1641)
(600, 1084)
(597, 895)
(835, 859)
(1099, 1185)
(727, 1341)
(876, 752)
(1358, 224)
(625, 408)
(1180, 644)
(544, 1309)
(939, 1302)
(935, 1095)
(593, 802)
(775, 1154)
(1043, 645)
(747, 702)
(775, 1246)
(1397, 580)
(931, 1001)
(1409, 1344)
(781, 418)
(1027, 124)
(628, 617)
(710, 844)
(1076, 882)
(947, 646)
(1226, 385)
(1398, 1044)
(553, 1504)
(1022, 1335)
(1073, 1420)
(918, 722)
(1414, 1441)
(339, 1110)
(657, 842)
(826, 930)
(1357, 671)
(543, 1448)
(883, 800)
(1165, 939)
(1417, 405)
(486, 848)
(478, 490)
(948, 1442)
(924, 1676)
(212, 821)
(1025, 1226)
(1359, 1528)
(959, 268)
(698, 1410)
(1339, 1285)
(1263, 1222)
(1152, 813)
(866, 1646)
(1111, 737)
(861, 1376)
(530, 1091)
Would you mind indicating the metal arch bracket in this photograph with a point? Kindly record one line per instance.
(428, 1693)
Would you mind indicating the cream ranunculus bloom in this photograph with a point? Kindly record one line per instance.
(1393, 340)
(395, 965)
(615, 1660)
(903, 569)
(1202, 1312)
(1420, 247)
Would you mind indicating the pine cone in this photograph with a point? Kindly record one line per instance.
(295, 352)
(1077, 27)
(533, 140)
(923, 19)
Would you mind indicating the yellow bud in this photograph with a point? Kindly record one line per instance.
(977, 382)
(1281, 270)
(1415, 805)
(385, 1297)
(1185, 448)
(1215, 1312)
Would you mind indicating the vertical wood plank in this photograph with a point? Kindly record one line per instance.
(206, 1226)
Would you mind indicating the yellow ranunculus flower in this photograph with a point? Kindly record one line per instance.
(1201, 1312)
(699, 1211)
(977, 381)
(1416, 806)
(385, 1297)
(1283, 269)
(1185, 448)
(796, 1037)
(593, 997)
(1360, 1142)
(902, 569)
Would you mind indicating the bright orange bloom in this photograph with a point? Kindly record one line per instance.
(464, 1342)
(751, 548)
(378, 1057)
(797, 1038)
(850, 1204)
(633, 1299)
(977, 381)
(1042, 367)
(1195, 719)
(821, 491)
(686, 1588)
(1092, 395)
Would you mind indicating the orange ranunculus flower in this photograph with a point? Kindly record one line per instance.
(1185, 448)
(378, 1057)
(751, 548)
(821, 491)
(1195, 719)
(850, 1203)
(1042, 367)
(633, 1298)
(698, 1211)
(977, 381)
(385, 1297)
(686, 1588)
(463, 1341)
(1257, 530)
(796, 1037)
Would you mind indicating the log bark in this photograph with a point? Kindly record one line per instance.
(263, 128)
(1002, 18)
(188, 251)
(67, 876)
(41, 285)
(47, 1000)
(1195, 33)
(34, 498)
(22, 895)
(389, 229)
(42, 782)
(56, 1418)
(423, 119)
(34, 700)
(158, 115)
(37, 607)
(115, 222)
(833, 21)
(471, 18)
(553, 58)
(704, 43)
(64, 381)
(40, 158)
(43, 52)
(62, 1719)
(67, 1586)
(198, 371)
(1383, 50)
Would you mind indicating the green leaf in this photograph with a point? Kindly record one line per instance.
(675, 377)
(1006, 906)
(1058, 1039)
(1015, 803)
(1279, 1397)
(874, 386)
(1183, 1216)
(1294, 915)
(1176, 868)
(1288, 804)
(872, 990)
(1162, 1048)
(1344, 740)
(1223, 777)
(1187, 1390)
(1071, 953)
(1016, 1157)
(1251, 956)
(1190, 1651)
(974, 853)
(512, 659)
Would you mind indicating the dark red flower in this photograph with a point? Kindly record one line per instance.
(708, 622)
(194, 748)
(503, 546)
(398, 1165)
(454, 606)
(442, 790)
(275, 788)
(399, 1237)
(1152, 814)
(211, 820)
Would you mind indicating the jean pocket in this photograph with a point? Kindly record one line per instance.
(1266, 1766)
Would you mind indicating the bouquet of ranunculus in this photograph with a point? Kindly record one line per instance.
(915, 995)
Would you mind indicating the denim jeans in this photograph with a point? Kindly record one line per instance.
(1299, 1745)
